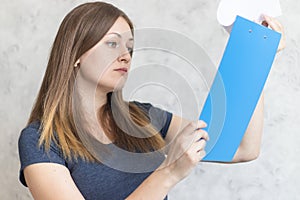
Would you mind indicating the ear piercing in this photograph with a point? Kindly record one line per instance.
(77, 63)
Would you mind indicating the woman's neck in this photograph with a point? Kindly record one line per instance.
(91, 101)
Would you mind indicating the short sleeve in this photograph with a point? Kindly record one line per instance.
(159, 118)
(30, 152)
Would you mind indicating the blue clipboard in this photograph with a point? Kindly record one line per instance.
(237, 86)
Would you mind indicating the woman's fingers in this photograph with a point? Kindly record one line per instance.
(191, 139)
(197, 151)
(201, 155)
(201, 124)
(273, 23)
(201, 134)
(191, 127)
(276, 26)
(198, 146)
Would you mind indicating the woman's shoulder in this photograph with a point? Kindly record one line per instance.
(143, 105)
(150, 108)
(159, 117)
(29, 139)
(35, 125)
(31, 152)
(30, 132)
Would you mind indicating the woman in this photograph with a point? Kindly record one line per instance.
(65, 148)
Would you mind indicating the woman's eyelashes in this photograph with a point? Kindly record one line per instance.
(115, 45)
(130, 49)
(112, 44)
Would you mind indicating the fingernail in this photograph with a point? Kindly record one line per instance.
(264, 23)
(205, 124)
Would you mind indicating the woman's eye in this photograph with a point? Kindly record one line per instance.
(112, 44)
(130, 49)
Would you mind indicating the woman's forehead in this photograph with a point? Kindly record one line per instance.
(125, 35)
(121, 29)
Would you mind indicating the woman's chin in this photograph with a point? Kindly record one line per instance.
(120, 84)
(118, 87)
(114, 88)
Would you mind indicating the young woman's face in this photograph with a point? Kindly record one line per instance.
(106, 65)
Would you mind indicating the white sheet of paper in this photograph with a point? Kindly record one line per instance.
(249, 9)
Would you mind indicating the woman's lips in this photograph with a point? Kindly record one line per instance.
(123, 69)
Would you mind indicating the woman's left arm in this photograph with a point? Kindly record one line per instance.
(250, 145)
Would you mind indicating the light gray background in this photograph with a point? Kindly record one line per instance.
(27, 30)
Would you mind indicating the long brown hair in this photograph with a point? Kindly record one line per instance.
(79, 31)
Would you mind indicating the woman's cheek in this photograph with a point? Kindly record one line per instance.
(112, 79)
(96, 65)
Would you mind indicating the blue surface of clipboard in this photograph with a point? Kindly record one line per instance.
(237, 86)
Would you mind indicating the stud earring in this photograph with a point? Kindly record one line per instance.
(77, 63)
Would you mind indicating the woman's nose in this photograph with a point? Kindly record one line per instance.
(125, 56)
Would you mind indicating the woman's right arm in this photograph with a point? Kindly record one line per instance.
(48, 181)
(185, 152)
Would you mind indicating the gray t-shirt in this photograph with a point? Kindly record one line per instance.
(94, 180)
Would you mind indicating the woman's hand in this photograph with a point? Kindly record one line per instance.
(185, 151)
(275, 25)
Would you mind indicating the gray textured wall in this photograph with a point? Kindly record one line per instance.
(28, 29)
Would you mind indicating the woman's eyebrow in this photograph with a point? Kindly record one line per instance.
(119, 35)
